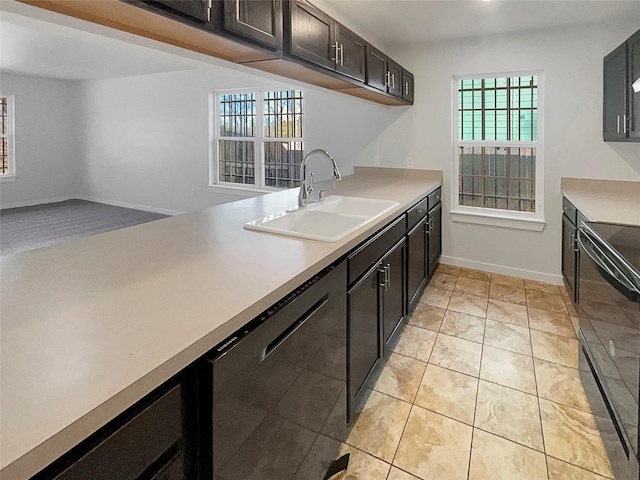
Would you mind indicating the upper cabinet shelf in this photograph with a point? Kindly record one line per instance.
(291, 38)
(621, 104)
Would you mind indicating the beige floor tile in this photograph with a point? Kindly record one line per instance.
(401, 377)
(570, 307)
(472, 286)
(448, 269)
(475, 274)
(507, 280)
(510, 369)
(560, 384)
(436, 297)
(507, 313)
(507, 293)
(510, 414)
(449, 393)
(551, 322)
(508, 337)
(494, 458)
(469, 304)
(546, 301)
(457, 354)
(556, 349)
(542, 287)
(571, 435)
(378, 429)
(464, 326)
(427, 316)
(361, 464)
(443, 280)
(559, 470)
(416, 342)
(434, 446)
(397, 474)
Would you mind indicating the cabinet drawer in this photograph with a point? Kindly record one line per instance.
(569, 210)
(129, 451)
(435, 197)
(365, 256)
(417, 212)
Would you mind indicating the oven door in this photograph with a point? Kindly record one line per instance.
(610, 350)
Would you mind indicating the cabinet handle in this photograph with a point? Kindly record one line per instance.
(387, 79)
(618, 125)
(387, 277)
(209, 10)
(431, 225)
(624, 123)
(342, 55)
(393, 81)
(336, 48)
(406, 88)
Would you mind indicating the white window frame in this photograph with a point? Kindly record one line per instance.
(10, 176)
(240, 189)
(491, 216)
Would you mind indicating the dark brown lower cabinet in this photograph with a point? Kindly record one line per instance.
(434, 247)
(417, 263)
(154, 439)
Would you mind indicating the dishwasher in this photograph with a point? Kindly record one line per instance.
(279, 386)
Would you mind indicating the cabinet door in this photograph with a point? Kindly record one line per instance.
(394, 79)
(435, 238)
(634, 100)
(257, 20)
(376, 69)
(364, 350)
(312, 34)
(407, 85)
(615, 94)
(416, 262)
(350, 59)
(393, 298)
(198, 9)
(569, 256)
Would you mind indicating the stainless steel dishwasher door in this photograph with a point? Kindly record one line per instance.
(279, 391)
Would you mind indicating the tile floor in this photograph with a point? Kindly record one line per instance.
(482, 384)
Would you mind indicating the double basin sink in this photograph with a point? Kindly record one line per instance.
(327, 221)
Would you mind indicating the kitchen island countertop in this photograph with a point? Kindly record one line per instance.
(91, 326)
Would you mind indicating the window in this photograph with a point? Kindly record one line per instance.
(258, 141)
(7, 157)
(497, 159)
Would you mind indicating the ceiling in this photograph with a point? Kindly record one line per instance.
(401, 22)
(49, 48)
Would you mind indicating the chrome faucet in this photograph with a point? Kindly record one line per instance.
(305, 190)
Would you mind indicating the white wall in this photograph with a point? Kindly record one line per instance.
(572, 64)
(46, 143)
(145, 138)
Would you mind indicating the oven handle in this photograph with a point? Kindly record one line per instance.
(607, 268)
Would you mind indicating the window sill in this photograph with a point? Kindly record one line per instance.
(241, 191)
(498, 219)
(7, 178)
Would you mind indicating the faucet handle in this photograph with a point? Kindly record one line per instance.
(321, 194)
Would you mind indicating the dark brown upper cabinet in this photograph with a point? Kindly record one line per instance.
(407, 85)
(198, 10)
(258, 21)
(320, 40)
(621, 105)
(387, 76)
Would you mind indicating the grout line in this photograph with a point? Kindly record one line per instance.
(544, 446)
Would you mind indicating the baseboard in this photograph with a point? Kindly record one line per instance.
(145, 208)
(30, 203)
(501, 269)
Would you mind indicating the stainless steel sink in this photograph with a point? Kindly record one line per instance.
(327, 221)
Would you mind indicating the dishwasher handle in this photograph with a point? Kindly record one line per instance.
(291, 329)
(608, 269)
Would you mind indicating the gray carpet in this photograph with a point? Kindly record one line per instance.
(27, 228)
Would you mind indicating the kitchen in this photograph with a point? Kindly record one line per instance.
(571, 57)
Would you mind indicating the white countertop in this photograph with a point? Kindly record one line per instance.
(609, 201)
(91, 326)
